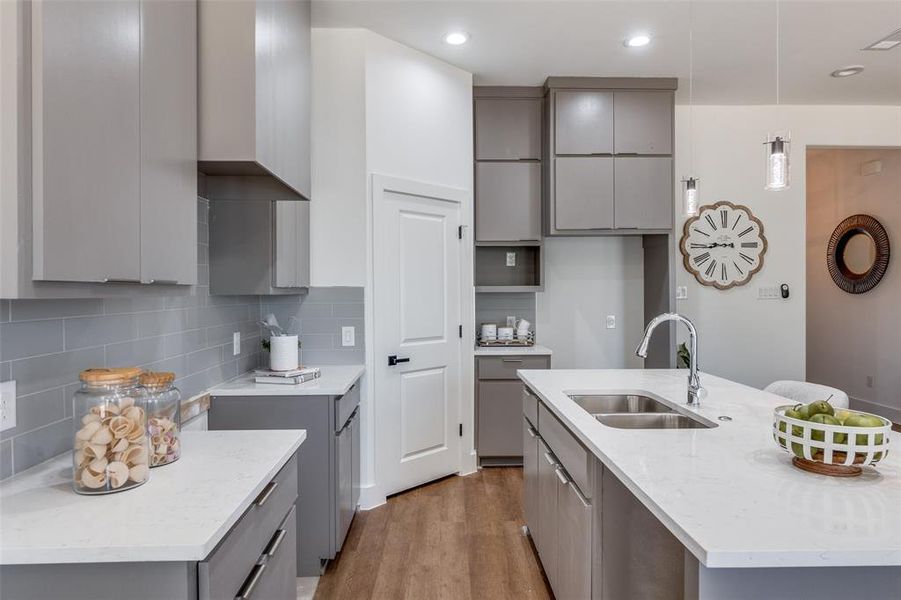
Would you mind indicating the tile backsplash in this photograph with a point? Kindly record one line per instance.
(44, 344)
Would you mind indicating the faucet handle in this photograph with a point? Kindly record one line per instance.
(702, 393)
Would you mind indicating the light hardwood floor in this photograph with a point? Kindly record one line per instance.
(457, 538)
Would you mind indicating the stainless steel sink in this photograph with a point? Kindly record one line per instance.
(671, 420)
(619, 403)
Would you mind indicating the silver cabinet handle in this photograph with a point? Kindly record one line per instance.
(251, 582)
(119, 280)
(561, 476)
(163, 282)
(530, 431)
(267, 491)
(549, 458)
(275, 542)
(511, 360)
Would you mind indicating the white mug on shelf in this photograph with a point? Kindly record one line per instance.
(283, 352)
(522, 327)
(489, 331)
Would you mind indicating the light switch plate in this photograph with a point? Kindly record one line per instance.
(511, 259)
(611, 321)
(236, 343)
(7, 405)
(347, 336)
(681, 292)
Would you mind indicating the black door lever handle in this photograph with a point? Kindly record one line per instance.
(393, 360)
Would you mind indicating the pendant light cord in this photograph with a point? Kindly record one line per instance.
(778, 40)
(691, 89)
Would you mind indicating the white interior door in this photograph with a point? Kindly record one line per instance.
(416, 299)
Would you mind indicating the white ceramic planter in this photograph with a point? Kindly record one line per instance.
(283, 352)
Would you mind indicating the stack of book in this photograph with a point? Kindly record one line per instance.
(293, 377)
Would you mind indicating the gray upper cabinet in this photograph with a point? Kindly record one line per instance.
(583, 122)
(508, 206)
(254, 90)
(114, 141)
(644, 122)
(585, 193)
(259, 247)
(644, 192)
(508, 128)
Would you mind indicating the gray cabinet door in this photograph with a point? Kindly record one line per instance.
(583, 193)
(644, 192)
(292, 244)
(546, 541)
(344, 451)
(168, 142)
(644, 122)
(86, 170)
(500, 410)
(279, 578)
(355, 471)
(530, 477)
(583, 122)
(574, 543)
(508, 128)
(508, 201)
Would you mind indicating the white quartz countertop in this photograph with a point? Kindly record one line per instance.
(336, 380)
(535, 350)
(180, 514)
(730, 494)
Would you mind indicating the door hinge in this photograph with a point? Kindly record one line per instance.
(460, 232)
(461, 429)
(460, 331)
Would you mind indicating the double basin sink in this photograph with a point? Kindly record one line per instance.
(634, 411)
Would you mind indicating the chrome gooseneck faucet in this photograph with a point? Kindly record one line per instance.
(694, 382)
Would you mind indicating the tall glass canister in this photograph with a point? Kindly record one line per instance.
(163, 417)
(110, 452)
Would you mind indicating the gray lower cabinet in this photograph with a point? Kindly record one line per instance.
(499, 436)
(255, 559)
(643, 187)
(530, 457)
(573, 542)
(328, 468)
(584, 193)
(508, 208)
(546, 542)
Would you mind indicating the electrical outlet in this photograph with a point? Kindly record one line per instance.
(236, 343)
(870, 381)
(511, 259)
(611, 321)
(7, 405)
(681, 292)
(347, 336)
(511, 321)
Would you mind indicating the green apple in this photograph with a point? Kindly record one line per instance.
(820, 407)
(824, 419)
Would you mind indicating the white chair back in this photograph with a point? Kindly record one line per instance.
(804, 392)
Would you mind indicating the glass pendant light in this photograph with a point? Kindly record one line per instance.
(691, 195)
(778, 145)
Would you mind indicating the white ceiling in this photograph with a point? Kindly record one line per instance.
(522, 42)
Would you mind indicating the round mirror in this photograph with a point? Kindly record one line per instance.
(860, 253)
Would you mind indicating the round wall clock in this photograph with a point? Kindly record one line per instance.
(723, 246)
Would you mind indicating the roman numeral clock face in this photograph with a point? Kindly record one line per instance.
(724, 245)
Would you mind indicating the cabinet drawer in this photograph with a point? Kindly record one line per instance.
(278, 579)
(568, 450)
(505, 367)
(530, 406)
(345, 405)
(225, 570)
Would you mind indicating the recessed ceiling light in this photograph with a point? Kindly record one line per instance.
(456, 38)
(637, 41)
(848, 71)
(887, 43)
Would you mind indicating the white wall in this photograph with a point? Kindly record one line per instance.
(587, 279)
(381, 108)
(742, 338)
(853, 336)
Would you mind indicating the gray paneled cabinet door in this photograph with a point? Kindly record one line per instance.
(292, 244)
(508, 128)
(644, 122)
(86, 169)
(583, 192)
(508, 206)
(583, 122)
(644, 192)
(500, 405)
(169, 141)
(530, 478)
(574, 544)
(546, 542)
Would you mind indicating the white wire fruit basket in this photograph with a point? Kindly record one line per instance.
(837, 450)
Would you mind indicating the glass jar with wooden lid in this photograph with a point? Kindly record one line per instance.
(110, 452)
(163, 417)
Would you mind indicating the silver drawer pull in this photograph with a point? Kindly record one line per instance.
(163, 282)
(275, 542)
(561, 476)
(119, 280)
(267, 491)
(511, 360)
(549, 458)
(251, 582)
(530, 431)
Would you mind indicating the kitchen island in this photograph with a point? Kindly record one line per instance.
(723, 495)
(217, 521)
